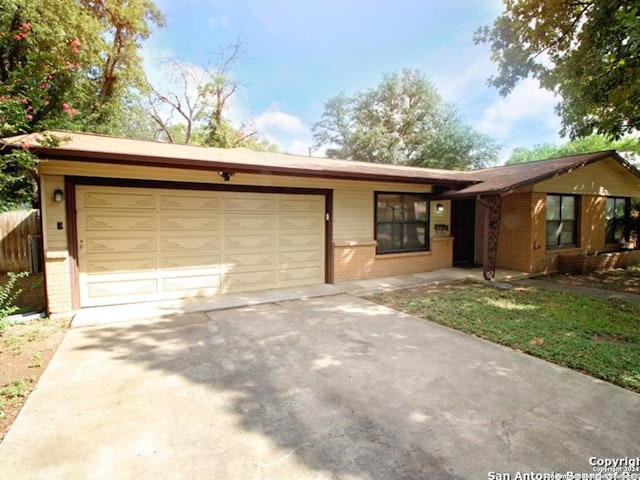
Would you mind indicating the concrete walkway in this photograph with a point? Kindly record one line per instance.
(361, 288)
(332, 387)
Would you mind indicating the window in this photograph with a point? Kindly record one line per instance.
(562, 221)
(402, 222)
(616, 213)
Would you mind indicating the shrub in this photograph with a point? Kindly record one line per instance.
(8, 295)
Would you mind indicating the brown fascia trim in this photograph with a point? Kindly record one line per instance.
(140, 160)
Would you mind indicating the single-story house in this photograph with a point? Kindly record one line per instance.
(562, 207)
(129, 221)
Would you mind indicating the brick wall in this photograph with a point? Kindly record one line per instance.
(58, 284)
(354, 261)
(591, 232)
(514, 241)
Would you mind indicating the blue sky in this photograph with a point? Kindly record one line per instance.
(299, 53)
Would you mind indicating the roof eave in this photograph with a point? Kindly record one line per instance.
(546, 176)
(207, 165)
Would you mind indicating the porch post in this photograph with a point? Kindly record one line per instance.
(492, 206)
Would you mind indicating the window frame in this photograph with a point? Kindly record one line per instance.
(427, 222)
(624, 220)
(576, 222)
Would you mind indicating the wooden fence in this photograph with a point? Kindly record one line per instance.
(17, 252)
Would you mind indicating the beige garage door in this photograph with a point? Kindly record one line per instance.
(138, 244)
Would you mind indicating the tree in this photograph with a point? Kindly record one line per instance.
(627, 147)
(402, 121)
(67, 64)
(194, 108)
(587, 51)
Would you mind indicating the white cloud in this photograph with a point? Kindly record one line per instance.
(527, 102)
(276, 121)
(299, 147)
(524, 118)
(285, 130)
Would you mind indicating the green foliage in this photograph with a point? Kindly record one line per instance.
(17, 389)
(17, 186)
(598, 336)
(67, 64)
(402, 121)
(44, 46)
(588, 52)
(8, 295)
(628, 146)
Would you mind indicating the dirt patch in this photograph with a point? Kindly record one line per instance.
(620, 280)
(25, 351)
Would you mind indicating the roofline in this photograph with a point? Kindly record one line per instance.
(57, 153)
(546, 176)
(569, 168)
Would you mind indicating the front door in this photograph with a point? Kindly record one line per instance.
(463, 227)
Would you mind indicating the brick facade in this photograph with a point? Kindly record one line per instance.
(523, 223)
(58, 284)
(357, 261)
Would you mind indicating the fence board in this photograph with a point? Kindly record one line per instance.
(15, 228)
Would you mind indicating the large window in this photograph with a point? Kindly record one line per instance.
(562, 221)
(402, 222)
(616, 210)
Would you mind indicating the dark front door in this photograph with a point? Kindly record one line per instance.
(463, 228)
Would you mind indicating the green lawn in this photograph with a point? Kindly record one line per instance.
(600, 337)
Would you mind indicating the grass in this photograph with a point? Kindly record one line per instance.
(600, 337)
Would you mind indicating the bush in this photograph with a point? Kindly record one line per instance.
(8, 295)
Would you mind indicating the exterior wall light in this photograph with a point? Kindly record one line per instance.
(439, 208)
(58, 196)
(226, 175)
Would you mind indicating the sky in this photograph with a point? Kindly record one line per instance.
(300, 53)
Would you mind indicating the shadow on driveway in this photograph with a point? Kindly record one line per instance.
(332, 387)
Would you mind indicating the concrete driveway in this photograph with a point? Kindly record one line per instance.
(331, 387)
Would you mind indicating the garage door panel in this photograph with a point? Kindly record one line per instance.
(249, 223)
(250, 243)
(249, 262)
(120, 201)
(201, 282)
(101, 245)
(193, 202)
(300, 204)
(298, 276)
(302, 258)
(191, 244)
(190, 262)
(139, 244)
(169, 223)
(122, 289)
(297, 241)
(120, 223)
(249, 203)
(301, 223)
(245, 282)
(125, 265)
